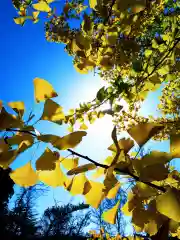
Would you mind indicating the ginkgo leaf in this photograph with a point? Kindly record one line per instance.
(69, 163)
(156, 157)
(83, 168)
(78, 184)
(143, 190)
(24, 176)
(113, 192)
(110, 215)
(9, 121)
(142, 132)
(6, 158)
(125, 144)
(156, 172)
(62, 143)
(83, 126)
(52, 112)
(175, 145)
(95, 195)
(98, 173)
(20, 137)
(43, 90)
(168, 204)
(53, 178)
(47, 161)
(42, 6)
(21, 20)
(18, 107)
(4, 146)
(92, 3)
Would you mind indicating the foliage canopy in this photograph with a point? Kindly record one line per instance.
(135, 47)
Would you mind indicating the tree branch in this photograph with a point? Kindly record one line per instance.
(125, 171)
(162, 189)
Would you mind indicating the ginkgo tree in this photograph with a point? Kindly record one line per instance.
(134, 45)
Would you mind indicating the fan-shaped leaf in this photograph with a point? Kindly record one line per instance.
(168, 204)
(95, 195)
(47, 160)
(83, 168)
(142, 132)
(110, 215)
(42, 6)
(18, 107)
(175, 145)
(69, 163)
(125, 144)
(43, 90)
(24, 176)
(113, 192)
(52, 112)
(8, 121)
(53, 178)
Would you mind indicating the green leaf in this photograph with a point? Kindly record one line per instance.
(101, 94)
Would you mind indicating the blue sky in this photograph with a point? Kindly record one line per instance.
(25, 54)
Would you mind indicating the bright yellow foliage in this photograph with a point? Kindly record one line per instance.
(110, 215)
(43, 90)
(24, 176)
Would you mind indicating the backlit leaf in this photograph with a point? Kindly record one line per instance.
(6, 158)
(156, 157)
(168, 204)
(47, 161)
(52, 112)
(8, 121)
(98, 173)
(53, 178)
(24, 176)
(83, 168)
(113, 192)
(92, 3)
(110, 215)
(125, 144)
(43, 90)
(18, 107)
(42, 6)
(142, 132)
(95, 195)
(78, 185)
(175, 145)
(69, 163)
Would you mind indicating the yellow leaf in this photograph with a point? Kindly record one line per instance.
(125, 144)
(83, 127)
(42, 6)
(175, 145)
(52, 112)
(47, 160)
(18, 107)
(110, 215)
(113, 192)
(142, 132)
(21, 137)
(95, 195)
(53, 178)
(8, 121)
(168, 204)
(35, 14)
(70, 141)
(62, 143)
(21, 20)
(6, 158)
(98, 173)
(83, 168)
(156, 157)
(143, 190)
(24, 176)
(78, 184)
(43, 90)
(92, 3)
(156, 172)
(69, 163)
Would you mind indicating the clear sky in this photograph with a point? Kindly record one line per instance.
(25, 54)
